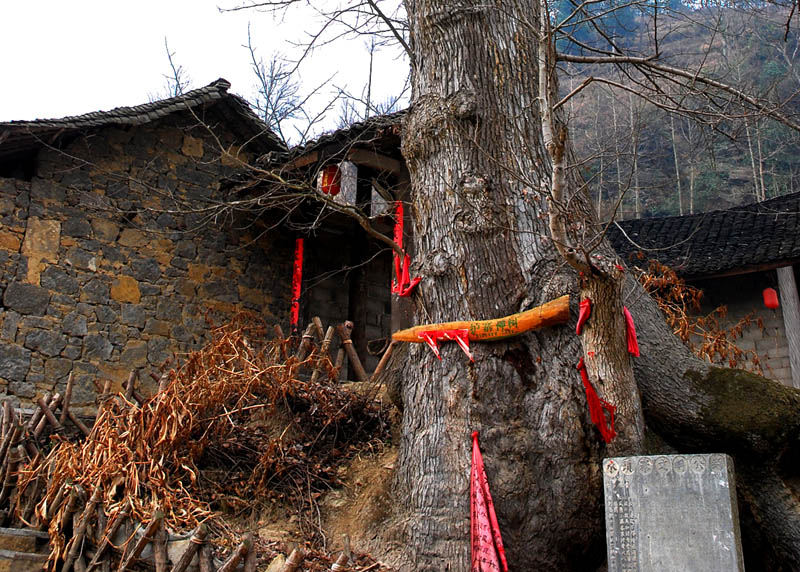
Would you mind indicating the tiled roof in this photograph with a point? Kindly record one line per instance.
(19, 136)
(741, 239)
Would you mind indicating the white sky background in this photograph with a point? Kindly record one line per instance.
(68, 58)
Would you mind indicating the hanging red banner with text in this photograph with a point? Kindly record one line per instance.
(488, 554)
(297, 282)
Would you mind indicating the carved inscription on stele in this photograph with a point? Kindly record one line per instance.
(671, 513)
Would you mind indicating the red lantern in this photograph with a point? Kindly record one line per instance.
(331, 182)
(771, 298)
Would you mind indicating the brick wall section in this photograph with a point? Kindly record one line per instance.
(743, 295)
(99, 278)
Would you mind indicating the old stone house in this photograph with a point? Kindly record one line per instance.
(733, 256)
(113, 251)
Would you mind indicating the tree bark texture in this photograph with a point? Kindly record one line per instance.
(473, 145)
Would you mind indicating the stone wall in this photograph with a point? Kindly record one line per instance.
(104, 268)
(743, 296)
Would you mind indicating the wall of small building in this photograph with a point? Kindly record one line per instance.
(104, 269)
(743, 296)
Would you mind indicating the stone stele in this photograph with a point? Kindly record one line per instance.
(672, 513)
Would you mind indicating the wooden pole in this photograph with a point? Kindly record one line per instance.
(320, 331)
(144, 540)
(305, 343)
(108, 536)
(206, 559)
(49, 416)
(6, 418)
(281, 341)
(341, 563)
(233, 560)
(323, 353)
(67, 398)
(384, 359)
(344, 334)
(160, 555)
(196, 542)
(76, 544)
(251, 560)
(294, 561)
(78, 423)
(52, 405)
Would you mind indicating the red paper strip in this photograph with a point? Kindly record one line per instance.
(488, 554)
(596, 407)
(630, 333)
(585, 312)
(297, 283)
(403, 285)
(433, 337)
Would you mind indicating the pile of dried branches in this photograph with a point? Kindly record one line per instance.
(236, 408)
(704, 334)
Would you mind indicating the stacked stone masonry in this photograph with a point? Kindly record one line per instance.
(109, 261)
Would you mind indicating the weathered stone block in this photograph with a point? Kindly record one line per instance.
(9, 241)
(10, 324)
(105, 314)
(57, 368)
(132, 237)
(185, 249)
(42, 239)
(105, 229)
(168, 310)
(146, 270)
(74, 324)
(672, 513)
(95, 291)
(22, 388)
(46, 342)
(77, 227)
(46, 189)
(157, 350)
(26, 298)
(192, 146)
(126, 289)
(223, 290)
(133, 315)
(134, 354)
(54, 278)
(157, 327)
(97, 346)
(15, 362)
(81, 259)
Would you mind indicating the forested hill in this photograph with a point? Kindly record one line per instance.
(671, 162)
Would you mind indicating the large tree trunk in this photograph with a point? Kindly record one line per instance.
(473, 143)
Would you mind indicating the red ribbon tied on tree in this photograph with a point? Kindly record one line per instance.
(596, 407)
(403, 285)
(583, 315)
(630, 333)
(488, 554)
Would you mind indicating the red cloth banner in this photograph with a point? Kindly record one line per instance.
(403, 284)
(596, 407)
(630, 333)
(488, 554)
(297, 283)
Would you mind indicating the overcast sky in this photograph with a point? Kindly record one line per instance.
(66, 58)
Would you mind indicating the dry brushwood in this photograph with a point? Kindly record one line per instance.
(217, 412)
(704, 334)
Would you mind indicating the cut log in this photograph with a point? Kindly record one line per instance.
(294, 561)
(144, 540)
(160, 555)
(305, 343)
(233, 560)
(344, 334)
(67, 398)
(323, 354)
(76, 544)
(106, 540)
(196, 542)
